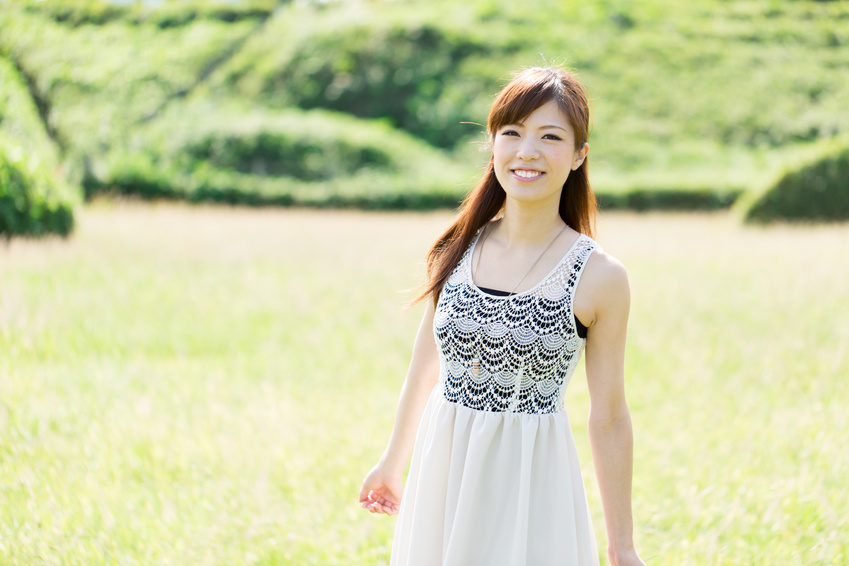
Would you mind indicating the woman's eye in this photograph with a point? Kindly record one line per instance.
(551, 137)
(509, 133)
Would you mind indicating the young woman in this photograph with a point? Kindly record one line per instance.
(516, 290)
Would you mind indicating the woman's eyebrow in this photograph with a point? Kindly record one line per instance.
(553, 126)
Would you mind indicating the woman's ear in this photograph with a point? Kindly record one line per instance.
(580, 155)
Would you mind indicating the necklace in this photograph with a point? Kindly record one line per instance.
(480, 255)
(476, 363)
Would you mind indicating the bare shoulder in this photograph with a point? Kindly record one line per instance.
(605, 272)
(604, 284)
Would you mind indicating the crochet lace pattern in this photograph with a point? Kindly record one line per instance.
(512, 354)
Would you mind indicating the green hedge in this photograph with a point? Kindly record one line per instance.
(815, 189)
(168, 14)
(103, 73)
(100, 82)
(32, 201)
(665, 199)
(316, 158)
(373, 62)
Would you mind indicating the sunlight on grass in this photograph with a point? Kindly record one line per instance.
(195, 385)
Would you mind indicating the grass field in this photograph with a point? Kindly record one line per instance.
(192, 385)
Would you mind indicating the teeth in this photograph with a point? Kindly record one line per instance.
(526, 174)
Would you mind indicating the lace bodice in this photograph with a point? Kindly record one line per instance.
(513, 354)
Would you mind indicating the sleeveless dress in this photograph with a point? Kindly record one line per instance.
(494, 478)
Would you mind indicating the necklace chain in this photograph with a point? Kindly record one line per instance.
(480, 255)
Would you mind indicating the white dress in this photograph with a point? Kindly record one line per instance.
(495, 478)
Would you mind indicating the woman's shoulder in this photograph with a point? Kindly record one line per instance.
(605, 275)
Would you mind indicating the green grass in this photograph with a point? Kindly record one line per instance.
(212, 391)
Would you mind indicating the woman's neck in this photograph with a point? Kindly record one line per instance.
(529, 224)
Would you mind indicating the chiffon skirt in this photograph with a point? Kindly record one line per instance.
(493, 489)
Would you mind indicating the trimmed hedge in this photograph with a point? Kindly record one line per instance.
(315, 158)
(817, 189)
(408, 66)
(103, 73)
(32, 202)
(100, 82)
(664, 199)
(170, 14)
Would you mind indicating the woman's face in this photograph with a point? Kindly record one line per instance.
(533, 159)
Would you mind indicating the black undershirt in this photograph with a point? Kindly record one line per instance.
(582, 330)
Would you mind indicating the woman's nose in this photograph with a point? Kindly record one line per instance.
(527, 149)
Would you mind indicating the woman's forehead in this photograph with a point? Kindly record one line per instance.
(549, 115)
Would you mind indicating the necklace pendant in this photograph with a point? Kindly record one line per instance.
(476, 367)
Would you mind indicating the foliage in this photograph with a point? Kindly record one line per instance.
(669, 72)
(316, 158)
(654, 199)
(403, 66)
(816, 188)
(697, 97)
(140, 69)
(19, 116)
(171, 13)
(32, 200)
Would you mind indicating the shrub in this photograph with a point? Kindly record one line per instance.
(99, 82)
(101, 71)
(19, 117)
(815, 189)
(316, 158)
(78, 12)
(169, 14)
(32, 201)
(402, 65)
(665, 199)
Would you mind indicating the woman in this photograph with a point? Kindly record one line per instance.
(516, 290)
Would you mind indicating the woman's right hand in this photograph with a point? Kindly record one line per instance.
(383, 486)
(381, 493)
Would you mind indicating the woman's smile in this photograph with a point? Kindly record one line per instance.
(533, 158)
(527, 174)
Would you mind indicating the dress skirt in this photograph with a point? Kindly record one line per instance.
(493, 489)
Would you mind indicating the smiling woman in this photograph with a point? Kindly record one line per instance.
(495, 478)
(532, 159)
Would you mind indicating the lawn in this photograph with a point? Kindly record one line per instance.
(207, 385)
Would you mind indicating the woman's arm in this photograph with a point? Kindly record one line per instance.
(611, 437)
(382, 487)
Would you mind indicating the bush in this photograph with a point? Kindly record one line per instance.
(815, 189)
(169, 14)
(316, 158)
(402, 65)
(19, 117)
(664, 199)
(31, 200)
(695, 121)
(100, 82)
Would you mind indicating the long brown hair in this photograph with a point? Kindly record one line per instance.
(528, 90)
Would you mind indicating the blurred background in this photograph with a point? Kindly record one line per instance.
(373, 104)
(201, 332)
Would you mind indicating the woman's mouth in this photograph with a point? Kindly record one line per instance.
(527, 174)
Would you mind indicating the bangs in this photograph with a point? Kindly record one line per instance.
(527, 92)
(533, 88)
